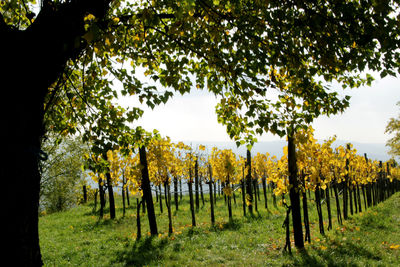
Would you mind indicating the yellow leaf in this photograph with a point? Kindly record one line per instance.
(108, 41)
(89, 17)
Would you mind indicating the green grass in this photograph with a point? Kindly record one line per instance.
(78, 238)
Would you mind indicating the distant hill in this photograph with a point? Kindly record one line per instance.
(376, 151)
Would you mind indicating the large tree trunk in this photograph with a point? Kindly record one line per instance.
(21, 225)
(32, 60)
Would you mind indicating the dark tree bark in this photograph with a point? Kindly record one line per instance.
(242, 183)
(229, 199)
(350, 188)
(381, 194)
(319, 209)
(196, 184)
(160, 199)
(345, 189)
(156, 189)
(368, 188)
(176, 197)
(307, 237)
(223, 186)
(328, 207)
(255, 193)
(215, 193)
(264, 185)
(96, 192)
(147, 192)
(84, 194)
(210, 182)
(143, 205)
(102, 198)
(234, 196)
(110, 195)
(180, 189)
(138, 224)
(123, 195)
(294, 194)
(355, 198)
(168, 205)
(345, 200)
(359, 199)
(273, 195)
(364, 196)
(31, 61)
(127, 196)
(249, 191)
(201, 190)
(190, 186)
(338, 212)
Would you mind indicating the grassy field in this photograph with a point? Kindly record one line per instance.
(79, 238)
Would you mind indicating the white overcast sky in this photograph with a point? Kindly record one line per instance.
(192, 117)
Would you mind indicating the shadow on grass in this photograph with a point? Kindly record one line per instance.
(255, 216)
(142, 252)
(232, 225)
(306, 259)
(336, 254)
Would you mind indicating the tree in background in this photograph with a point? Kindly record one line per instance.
(62, 175)
(393, 127)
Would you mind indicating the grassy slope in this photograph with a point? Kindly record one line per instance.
(78, 238)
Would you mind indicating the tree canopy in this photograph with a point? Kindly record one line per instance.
(62, 60)
(237, 49)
